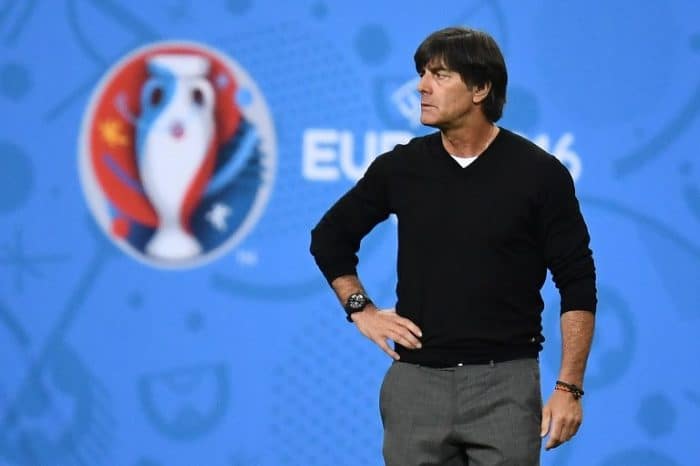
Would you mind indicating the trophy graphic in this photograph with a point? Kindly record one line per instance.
(177, 154)
(175, 148)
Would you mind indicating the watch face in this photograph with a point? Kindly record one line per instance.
(357, 301)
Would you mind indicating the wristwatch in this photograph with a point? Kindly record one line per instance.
(355, 303)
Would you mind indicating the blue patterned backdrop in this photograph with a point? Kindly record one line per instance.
(245, 358)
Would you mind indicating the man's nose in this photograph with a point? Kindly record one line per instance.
(423, 84)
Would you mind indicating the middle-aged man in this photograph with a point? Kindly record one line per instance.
(482, 213)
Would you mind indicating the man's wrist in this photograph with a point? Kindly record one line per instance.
(572, 375)
(358, 316)
(356, 303)
(575, 390)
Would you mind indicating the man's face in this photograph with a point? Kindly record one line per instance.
(446, 101)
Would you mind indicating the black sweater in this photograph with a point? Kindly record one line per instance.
(474, 244)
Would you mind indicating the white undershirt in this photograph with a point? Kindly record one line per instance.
(464, 161)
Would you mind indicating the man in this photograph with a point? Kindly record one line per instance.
(482, 213)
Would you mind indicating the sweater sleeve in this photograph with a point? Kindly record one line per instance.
(565, 241)
(336, 239)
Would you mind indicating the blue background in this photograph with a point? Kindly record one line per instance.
(248, 360)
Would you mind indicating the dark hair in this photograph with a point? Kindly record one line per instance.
(475, 56)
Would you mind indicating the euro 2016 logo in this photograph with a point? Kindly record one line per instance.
(177, 154)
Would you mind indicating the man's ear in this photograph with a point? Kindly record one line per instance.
(481, 92)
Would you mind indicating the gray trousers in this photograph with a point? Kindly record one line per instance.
(475, 415)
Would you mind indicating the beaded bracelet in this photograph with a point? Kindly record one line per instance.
(575, 390)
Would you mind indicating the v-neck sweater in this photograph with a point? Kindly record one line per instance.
(474, 245)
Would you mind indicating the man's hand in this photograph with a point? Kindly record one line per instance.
(561, 418)
(379, 326)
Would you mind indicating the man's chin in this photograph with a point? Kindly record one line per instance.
(429, 122)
